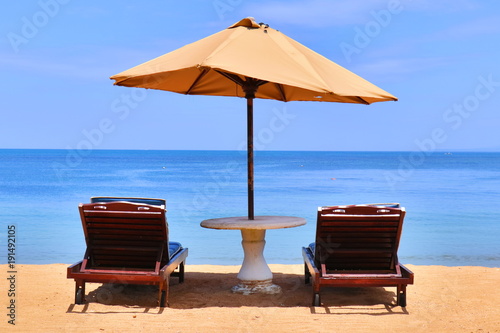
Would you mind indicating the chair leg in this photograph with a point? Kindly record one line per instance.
(163, 296)
(316, 286)
(401, 296)
(402, 300)
(79, 292)
(316, 299)
(181, 272)
(163, 293)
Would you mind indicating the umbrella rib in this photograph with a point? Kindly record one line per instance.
(233, 77)
(281, 91)
(260, 82)
(249, 83)
(363, 101)
(202, 74)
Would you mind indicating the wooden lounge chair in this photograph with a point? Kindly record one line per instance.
(356, 246)
(127, 243)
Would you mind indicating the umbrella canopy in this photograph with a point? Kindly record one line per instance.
(252, 60)
(248, 49)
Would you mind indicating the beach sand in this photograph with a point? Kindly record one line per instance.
(443, 299)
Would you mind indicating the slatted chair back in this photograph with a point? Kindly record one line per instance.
(358, 238)
(124, 236)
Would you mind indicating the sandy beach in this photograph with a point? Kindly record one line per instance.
(443, 299)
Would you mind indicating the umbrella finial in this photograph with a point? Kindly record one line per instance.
(248, 22)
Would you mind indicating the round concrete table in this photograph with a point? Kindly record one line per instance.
(255, 276)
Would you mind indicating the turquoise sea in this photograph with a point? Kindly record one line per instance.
(451, 199)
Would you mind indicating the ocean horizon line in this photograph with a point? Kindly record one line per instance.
(256, 150)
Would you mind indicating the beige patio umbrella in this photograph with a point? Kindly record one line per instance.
(252, 60)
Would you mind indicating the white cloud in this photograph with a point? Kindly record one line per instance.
(26, 63)
(315, 13)
(440, 6)
(92, 64)
(322, 13)
(88, 11)
(396, 67)
(478, 27)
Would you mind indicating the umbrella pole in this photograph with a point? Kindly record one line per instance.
(250, 156)
(250, 87)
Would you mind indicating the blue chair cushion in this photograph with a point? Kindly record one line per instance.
(388, 205)
(147, 201)
(312, 247)
(173, 248)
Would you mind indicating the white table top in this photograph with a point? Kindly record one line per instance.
(258, 223)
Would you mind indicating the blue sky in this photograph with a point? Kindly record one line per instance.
(440, 58)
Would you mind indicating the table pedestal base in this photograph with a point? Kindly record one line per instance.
(254, 275)
(256, 287)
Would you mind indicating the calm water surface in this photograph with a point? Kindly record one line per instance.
(451, 199)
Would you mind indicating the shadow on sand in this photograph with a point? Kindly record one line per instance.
(202, 290)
